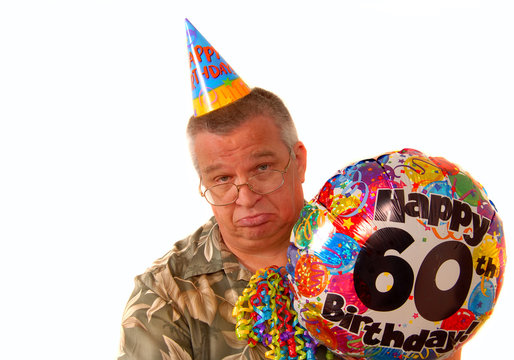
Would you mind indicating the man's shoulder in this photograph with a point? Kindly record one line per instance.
(197, 253)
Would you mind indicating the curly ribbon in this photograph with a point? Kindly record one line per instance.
(264, 315)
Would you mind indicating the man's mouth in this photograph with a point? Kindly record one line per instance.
(253, 220)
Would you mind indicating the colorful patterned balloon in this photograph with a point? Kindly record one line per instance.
(401, 256)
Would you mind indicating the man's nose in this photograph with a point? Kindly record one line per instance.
(246, 196)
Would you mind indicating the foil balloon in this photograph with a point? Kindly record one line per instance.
(400, 256)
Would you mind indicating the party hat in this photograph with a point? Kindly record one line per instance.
(214, 83)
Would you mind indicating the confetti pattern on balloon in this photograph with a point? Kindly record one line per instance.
(321, 330)
(343, 284)
(397, 257)
(312, 275)
(461, 320)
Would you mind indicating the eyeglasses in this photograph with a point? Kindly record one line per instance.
(263, 183)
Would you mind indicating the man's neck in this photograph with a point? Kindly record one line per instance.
(255, 259)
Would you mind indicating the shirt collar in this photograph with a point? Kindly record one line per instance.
(211, 255)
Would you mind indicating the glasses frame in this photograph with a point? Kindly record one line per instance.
(283, 172)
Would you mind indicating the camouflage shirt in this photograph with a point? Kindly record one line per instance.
(181, 307)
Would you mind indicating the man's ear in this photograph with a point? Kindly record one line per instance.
(300, 153)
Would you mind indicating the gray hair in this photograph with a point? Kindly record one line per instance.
(228, 118)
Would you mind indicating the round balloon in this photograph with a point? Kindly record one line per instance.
(400, 256)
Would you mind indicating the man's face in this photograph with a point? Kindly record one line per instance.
(253, 220)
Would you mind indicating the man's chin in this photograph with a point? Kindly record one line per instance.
(266, 234)
(255, 233)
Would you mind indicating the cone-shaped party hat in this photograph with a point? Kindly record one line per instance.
(214, 83)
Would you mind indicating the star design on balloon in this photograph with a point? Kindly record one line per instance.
(347, 223)
(424, 224)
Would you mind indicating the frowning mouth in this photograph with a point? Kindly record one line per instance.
(254, 220)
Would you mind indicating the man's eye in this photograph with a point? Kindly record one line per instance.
(222, 179)
(263, 167)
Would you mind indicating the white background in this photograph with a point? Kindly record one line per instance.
(95, 176)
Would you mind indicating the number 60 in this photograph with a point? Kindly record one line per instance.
(432, 303)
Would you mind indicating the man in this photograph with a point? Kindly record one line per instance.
(251, 168)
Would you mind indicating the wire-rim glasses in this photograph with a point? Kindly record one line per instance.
(263, 183)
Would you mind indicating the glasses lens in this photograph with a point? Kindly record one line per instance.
(266, 182)
(221, 194)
